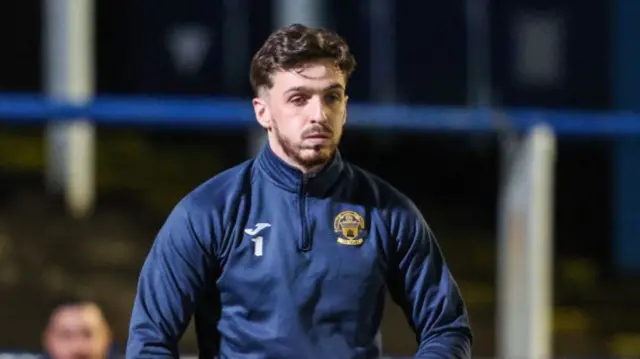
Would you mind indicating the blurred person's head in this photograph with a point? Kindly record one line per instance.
(299, 78)
(77, 330)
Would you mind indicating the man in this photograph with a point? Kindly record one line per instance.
(288, 255)
(77, 330)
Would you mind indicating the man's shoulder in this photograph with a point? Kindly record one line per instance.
(396, 207)
(220, 190)
(386, 194)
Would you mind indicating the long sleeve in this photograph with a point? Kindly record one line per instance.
(422, 285)
(174, 277)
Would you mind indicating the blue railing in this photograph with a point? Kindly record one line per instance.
(216, 113)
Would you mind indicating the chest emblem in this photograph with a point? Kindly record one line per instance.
(350, 227)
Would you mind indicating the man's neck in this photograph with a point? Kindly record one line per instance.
(306, 170)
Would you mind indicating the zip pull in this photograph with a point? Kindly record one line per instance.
(306, 177)
(305, 242)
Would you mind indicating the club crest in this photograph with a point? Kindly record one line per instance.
(350, 227)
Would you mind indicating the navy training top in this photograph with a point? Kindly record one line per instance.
(272, 263)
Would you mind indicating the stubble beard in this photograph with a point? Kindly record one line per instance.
(308, 157)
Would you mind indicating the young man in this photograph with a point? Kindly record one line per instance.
(289, 255)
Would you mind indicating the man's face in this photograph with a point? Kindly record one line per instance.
(77, 332)
(304, 112)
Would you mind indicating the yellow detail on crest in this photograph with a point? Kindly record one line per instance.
(350, 226)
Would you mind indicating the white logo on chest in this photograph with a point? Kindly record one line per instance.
(258, 242)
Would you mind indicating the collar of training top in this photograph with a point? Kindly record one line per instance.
(292, 179)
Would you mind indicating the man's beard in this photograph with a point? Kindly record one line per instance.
(319, 156)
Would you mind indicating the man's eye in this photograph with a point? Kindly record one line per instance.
(332, 98)
(298, 100)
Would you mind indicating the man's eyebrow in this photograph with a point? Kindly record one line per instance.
(335, 86)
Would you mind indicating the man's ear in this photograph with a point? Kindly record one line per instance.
(261, 111)
(346, 102)
(45, 337)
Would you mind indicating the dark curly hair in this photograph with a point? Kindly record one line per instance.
(294, 45)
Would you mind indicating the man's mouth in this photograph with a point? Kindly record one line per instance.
(318, 136)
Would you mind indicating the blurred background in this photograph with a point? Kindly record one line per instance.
(552, 57)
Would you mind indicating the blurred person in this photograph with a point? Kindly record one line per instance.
(77, 330)
(289, 254)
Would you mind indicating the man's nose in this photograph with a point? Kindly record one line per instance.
(82, 347)
(317, 110)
